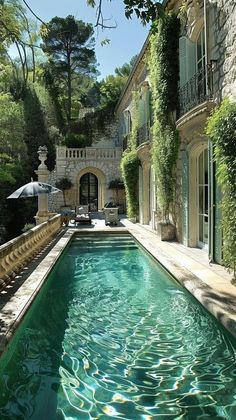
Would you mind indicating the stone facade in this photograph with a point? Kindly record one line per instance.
(102, 160)
(207, 57)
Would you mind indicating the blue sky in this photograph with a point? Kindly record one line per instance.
(125, 41)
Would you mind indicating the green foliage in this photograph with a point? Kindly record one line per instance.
(145, 10)
(130, 162)
(11, 127)
(77, 140)
(70, 47)
(163, 67)
(54, 92)
(132, 139)
(116, 184)
(64, 184)
(13, 171)
(27, 227)
(221, 129)
(37, 129)
(130, 168)
(126, 69)
(110, 90)
(6, 169)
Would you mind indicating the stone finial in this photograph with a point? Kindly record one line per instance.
(42, 152)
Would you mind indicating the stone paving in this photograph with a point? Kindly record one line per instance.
(209, 283)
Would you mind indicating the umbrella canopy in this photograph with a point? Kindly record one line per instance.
(32, 189)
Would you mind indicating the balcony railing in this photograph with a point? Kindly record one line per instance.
(196, 91)
(17, 252)
(88, 153)
(143, 134)
(126, 141)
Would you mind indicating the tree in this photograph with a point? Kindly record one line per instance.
(17, 29)
(110, 90)
(69, 44)
(126, 69)
(12, 168)
(145, 10)
(64, 184)
(11, 127)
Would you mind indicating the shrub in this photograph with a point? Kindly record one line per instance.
(221, 129)
(129, 167)
(76, 141)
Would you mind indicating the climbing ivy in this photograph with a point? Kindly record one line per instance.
(129, 169)
(163, 70)
(221, 129)
(132, 141)
(130, 162)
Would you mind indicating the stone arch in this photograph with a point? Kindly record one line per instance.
(101, 184)
(194, 149)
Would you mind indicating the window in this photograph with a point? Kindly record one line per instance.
(202, 195)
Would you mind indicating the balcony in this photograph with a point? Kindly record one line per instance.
(196, 91)
(126, 141)
(143, 134)
(88, 153)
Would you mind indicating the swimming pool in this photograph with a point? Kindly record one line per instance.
(112, 335)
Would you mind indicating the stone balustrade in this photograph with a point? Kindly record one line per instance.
(89, 153)
(17, 252)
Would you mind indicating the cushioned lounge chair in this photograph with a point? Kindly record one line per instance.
(83, 215)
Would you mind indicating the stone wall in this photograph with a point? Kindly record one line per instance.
(222, 46)
(90, 159)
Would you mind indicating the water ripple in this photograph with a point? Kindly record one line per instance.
(132, 345)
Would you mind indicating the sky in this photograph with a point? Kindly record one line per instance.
(126, 40)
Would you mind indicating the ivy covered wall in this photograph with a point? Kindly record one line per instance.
(163, 67)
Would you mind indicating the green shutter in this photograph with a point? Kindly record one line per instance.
(142, 112)
(147, 104)
(182, 61)
(191, 59)
(187, 60)
(185, 197)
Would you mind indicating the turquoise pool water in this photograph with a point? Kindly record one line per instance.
(111, 335)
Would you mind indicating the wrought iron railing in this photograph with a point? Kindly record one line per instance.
(196, 91)
(143, 134)
(125, 141)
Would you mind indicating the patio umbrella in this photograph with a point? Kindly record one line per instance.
(32, 189)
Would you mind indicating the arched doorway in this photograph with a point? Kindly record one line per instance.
(89, 191)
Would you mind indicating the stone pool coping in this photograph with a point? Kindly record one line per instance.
(14, 310)
(217, 295)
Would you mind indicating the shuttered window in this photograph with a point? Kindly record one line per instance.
(187, 60)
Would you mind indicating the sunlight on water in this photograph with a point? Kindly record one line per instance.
(112, 336)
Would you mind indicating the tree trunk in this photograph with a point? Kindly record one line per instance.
(69, 88)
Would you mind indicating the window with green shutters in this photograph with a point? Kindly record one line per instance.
(187, 60)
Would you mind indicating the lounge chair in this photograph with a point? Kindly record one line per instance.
(83, 215)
